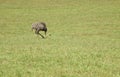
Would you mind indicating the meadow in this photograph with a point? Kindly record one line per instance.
(83, 38)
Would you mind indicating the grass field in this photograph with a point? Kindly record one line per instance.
(83, 38)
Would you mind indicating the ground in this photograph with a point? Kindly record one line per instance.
(83, 38)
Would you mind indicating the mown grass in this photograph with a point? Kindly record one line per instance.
(82, 41)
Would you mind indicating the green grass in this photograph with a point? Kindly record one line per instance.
(84, 41)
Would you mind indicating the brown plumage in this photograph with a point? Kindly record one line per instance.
(39, 26)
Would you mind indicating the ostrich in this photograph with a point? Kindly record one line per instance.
(39, 26)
